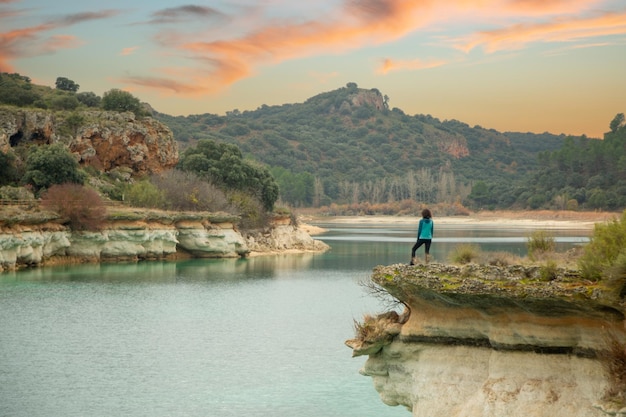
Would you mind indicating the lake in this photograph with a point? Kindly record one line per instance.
(262, 336)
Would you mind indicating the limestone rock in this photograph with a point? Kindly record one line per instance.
(281, 237)
(487, 341)
(105, 140)
(133, 238)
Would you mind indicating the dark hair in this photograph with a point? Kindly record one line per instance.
(426, 214)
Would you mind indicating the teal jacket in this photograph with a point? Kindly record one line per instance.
(426, 229)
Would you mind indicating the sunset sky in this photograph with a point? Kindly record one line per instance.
(511, 65)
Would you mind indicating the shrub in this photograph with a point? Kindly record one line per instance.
(549, 271)
(15, 193)
(8, 169)
(501, 258)
(540, 242)
(602, 252)
(51, 164)
(253, 215)
(613, 360)
(187, 191)
(121, 101)
(465, 253)
(81, 206)
(145, 194)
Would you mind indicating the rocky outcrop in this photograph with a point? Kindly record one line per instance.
(282, 236)
(452, 144)
(129, 238)
(102, 139)
(486, 341)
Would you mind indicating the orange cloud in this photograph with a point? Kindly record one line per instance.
(548, 7)
(358, 24)
(160, 84)
(558, 30)
(404, 65)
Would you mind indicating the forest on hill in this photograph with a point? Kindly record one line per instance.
(347, 147)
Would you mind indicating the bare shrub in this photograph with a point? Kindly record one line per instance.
(465, 253)
(369, 329)
(188, 192)
(500, 258)
(387, 300)
(81, 206)
(613, 361)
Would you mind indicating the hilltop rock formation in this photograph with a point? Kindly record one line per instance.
(486, 341)
(102, 139)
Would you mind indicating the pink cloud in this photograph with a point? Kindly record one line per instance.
(358, 24)
(557, 30)
(129, 51)
(31, 41)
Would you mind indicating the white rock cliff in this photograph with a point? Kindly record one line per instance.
(48, 243)
(491, 342)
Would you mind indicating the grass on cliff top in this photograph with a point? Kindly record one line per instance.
(32, 214)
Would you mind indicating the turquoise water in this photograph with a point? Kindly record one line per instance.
(249, 337)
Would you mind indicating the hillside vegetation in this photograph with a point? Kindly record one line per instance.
(347, 151)
(347, 147)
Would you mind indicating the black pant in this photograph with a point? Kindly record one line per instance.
(419, 243)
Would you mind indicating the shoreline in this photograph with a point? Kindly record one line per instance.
(522, 219)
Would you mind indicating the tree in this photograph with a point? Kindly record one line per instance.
(617, 122)
(66, 84)
(51, 164)
(8, 171)
(121, 101)
(64, 102)
(89, 99)
(223, 164)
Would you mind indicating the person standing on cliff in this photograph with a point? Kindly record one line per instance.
(425, 232)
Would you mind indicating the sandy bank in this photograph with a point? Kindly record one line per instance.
(530, 219)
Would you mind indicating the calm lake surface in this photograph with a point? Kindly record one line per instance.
(262, 336)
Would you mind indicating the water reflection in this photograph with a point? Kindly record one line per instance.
(218, 337)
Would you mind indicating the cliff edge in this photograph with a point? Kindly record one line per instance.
(490, 341)
(134, 235)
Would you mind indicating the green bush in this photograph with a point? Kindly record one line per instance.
(81, 206)
(121, 101)
(145, 194)
(51, 164)
(603, 251)
(8, 169)
(540, 242)
(549, 271)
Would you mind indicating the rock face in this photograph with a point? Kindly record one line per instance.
(282, 236)
(104, 140)
(48, 243)
(490, 342)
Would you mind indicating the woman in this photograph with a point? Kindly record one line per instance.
(425, 232)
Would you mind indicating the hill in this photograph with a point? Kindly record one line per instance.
(350, 147)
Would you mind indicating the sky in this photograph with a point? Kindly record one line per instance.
(555, 66)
